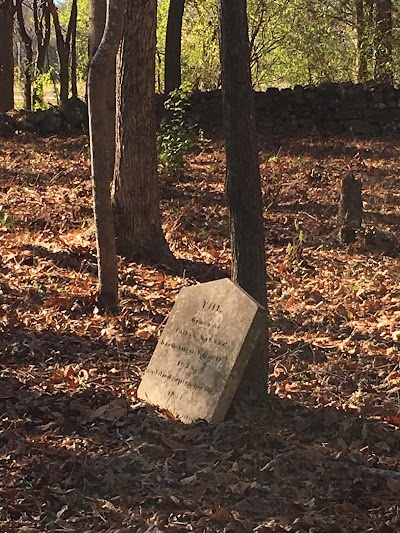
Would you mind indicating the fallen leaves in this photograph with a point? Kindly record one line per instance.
(78, 452)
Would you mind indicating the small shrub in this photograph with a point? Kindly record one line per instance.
(5, 220)
(175, 140)
(294, 249)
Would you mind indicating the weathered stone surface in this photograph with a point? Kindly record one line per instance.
(7, 126)
(350, 211)
(330, 107)
(75, 113)
(203, 351)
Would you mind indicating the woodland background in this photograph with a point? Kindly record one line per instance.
(78, 452)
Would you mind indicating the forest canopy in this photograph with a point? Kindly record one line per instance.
(292, 41)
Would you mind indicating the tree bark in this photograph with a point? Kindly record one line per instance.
(74, 81)
(362, 71)
(243, 182)
(383, 41)
(102, 154)
(28, 61)
(135, 188)
(41, 17)
(97, 20)
(173, 46)
(6, 56)
(63, 46)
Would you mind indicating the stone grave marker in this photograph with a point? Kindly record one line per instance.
(203, 351)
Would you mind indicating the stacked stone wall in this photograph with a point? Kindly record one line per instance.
(369, 108)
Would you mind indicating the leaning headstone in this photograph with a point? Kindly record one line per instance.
(203, 351)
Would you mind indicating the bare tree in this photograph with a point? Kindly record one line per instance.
(102, 153)
(243, 182)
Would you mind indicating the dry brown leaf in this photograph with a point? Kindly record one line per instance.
(112, 411)
(394, 485)
(222, 514)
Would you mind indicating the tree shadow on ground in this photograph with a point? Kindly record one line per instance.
(99, 461)
(197, 270)
(79, 260)
(331, 146)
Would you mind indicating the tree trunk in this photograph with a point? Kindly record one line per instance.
(102, 154)
(383, 41)
(63, 47)
(243, 182)
(362, 71)
(135, 188)
(42, 26)
(97, 20)
(6, 56)
(350, 212)
(28, 61)
(74, 81)
(173, 43)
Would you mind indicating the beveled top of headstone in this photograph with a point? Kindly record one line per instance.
(203, 351)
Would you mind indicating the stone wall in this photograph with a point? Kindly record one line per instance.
(330, 108)
(369, 108)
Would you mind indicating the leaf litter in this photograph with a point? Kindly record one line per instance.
(78, 452)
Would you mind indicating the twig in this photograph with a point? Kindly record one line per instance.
(369, 470)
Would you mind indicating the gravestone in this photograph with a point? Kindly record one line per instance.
(203, 351)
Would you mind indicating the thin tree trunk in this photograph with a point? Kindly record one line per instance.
(97, 20)
(63, 47)
(243, 182)
(173, 45)
(28, 62)
(102, 154)
(74, 81)
(362, 71)
(6, 56)
(383, 41)
(42, 26)
(135, 188)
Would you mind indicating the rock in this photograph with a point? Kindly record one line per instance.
(50, 121)
(7, 126)
(75, 113)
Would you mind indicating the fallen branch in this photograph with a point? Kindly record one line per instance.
(369, 470)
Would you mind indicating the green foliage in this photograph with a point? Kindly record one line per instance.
(292, 42)
(294, 249)
(42, 81)
(200, 45)
(175, 139)
(5, 220)
(82, 33)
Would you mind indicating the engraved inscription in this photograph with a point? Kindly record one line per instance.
(210, 306)
(179, 381)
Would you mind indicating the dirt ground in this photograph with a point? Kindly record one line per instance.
(78, 452)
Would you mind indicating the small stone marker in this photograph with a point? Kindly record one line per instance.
(203, 351)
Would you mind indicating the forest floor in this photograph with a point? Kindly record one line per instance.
(78, 452)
